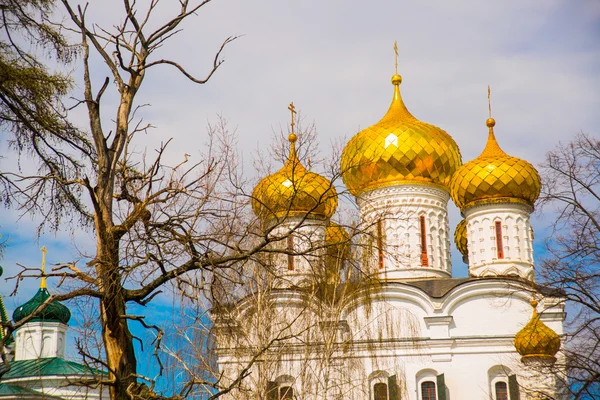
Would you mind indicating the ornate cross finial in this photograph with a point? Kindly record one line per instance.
(43, 281)
(489, 101)
(490, 121)
(396, 51)
(292, 109)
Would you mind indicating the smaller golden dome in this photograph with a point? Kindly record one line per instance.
(536, 341)
(494, 176)
(337, 242)
(294, 191)
(460, 238)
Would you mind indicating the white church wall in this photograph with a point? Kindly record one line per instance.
(516, 238)
(399, 208)
(40, 339)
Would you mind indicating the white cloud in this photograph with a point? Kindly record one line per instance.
(334, 59)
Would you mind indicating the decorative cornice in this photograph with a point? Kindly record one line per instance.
(403, 190)
(526, 206)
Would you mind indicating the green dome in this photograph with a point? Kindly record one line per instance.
(54, 312)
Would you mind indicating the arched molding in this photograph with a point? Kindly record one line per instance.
(497, 373)
(285, 380)
(425, 375)
(279, 298)
(377, 376)
(389, 294)
(507, 289)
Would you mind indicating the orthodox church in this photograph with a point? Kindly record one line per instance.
(36, 354)
(371, 311)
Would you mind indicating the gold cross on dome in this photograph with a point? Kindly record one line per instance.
(292, 109)
(489, 101)
(396, 51)
(43, 281)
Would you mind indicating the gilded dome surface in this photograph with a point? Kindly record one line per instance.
(397, 149)
(495, 175)
(294, 191)
(460, 237)
(337, 241)
(54, 312)
(536, 340)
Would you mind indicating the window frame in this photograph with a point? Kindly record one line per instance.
(423, 231)
(290, 257)
(380, 255)
(506, 392)
(499, 239)
(435, 389)
(288, 388)
(387, 390)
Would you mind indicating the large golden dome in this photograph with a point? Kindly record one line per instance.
(397, 149)
(536, 341)
(495, 176)
(294, 191)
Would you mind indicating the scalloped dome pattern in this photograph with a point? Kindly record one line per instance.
(398, 148)
(495, 174)
(54, 312)
(294, 191)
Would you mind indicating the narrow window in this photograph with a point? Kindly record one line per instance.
(424, 259)
(501, 391)
(290, 248)
(286, 392)
(428, 391)
(380, 258)
(380, 391)
(499, 246)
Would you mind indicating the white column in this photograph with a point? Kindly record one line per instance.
(516, 236)
(40, 340)
(399, 208)
(306, 236)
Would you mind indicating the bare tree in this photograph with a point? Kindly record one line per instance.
(571, 187)
(153, 223)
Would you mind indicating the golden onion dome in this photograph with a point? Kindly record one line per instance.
(294, 191)
(495, 176)
(536, 341)
(337, 242)
(398, 149)
(460, 237)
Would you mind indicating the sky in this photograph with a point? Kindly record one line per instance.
(334, 60)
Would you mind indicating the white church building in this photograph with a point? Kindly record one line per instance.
(35, 353)
(371, 311)
(367, 311)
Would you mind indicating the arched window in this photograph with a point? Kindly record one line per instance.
(499, 244)
(424, 259)
(380, 391)
(502, 383)
(501, 389)
(380, 258)
(428, 391)
(281, 388)
(286, 392)
(290, 248)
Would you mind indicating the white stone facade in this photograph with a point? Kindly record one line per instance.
(36, 343)
(511, 220)
(299, 255)
(40, 340)
(392, 329)
(400, 210)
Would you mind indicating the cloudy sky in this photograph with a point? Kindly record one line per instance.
(334, 60)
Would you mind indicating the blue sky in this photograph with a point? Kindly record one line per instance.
(334, 59)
